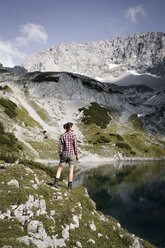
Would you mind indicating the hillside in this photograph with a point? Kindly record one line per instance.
(112, 122)
(35, 214)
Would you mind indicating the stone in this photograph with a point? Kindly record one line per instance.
(78, 244)
(13, 183)
(65, 233)
(52, 212)
(91, 241)
(33, 226)
(99, 235)
(92, 226)
(135, 244)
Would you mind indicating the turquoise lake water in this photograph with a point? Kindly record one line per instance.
(133, 193)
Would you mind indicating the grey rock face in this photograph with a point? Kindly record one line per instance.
(142, 52)
(15, 70)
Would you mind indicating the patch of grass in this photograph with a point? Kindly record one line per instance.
(10, 147)
(47, 148)
(23, 116)
(9, 106)
(135, 121)
(96, 114)
(35, 165)
(46, 77)
(44, 115)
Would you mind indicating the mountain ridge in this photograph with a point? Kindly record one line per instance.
(105, 60)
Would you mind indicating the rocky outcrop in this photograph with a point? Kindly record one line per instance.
(15, 70)
(142, 52)
(45, 216)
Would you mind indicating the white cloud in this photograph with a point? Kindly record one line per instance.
(132, 13)
(10, 51)
(32, 32)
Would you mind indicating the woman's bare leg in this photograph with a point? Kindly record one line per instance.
(71, 168)
(59, 170)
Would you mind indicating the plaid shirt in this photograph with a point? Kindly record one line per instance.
(68, 144)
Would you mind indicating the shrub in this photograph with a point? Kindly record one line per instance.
(118, 136)
(123, 145)
(46, 76)
(8, 158)
(102, 139)
(9, 107)
(91, 84)
(96, 114)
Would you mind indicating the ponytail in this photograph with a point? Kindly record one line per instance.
(67, 126)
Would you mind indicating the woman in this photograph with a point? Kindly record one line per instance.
(68, 148)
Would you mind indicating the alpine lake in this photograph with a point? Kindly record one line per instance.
(131, 192)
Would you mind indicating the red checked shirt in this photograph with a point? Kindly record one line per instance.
(68, 144)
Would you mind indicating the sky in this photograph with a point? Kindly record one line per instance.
(27, 27)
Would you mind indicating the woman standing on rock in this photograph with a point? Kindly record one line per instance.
(68, 152)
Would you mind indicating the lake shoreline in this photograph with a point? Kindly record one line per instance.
(101, 160)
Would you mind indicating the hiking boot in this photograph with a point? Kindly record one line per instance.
(55, 184)
(70, 187)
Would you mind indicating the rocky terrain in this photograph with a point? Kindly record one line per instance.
(35, 214)
(109, 60)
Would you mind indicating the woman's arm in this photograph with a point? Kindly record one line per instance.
(75, 146)
(60, 145)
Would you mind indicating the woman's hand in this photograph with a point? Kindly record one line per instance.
(77, 158)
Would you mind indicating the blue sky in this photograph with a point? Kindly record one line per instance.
(28, 27)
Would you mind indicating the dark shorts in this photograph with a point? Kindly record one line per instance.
(68, 159)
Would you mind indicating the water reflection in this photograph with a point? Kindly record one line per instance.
(134, 193)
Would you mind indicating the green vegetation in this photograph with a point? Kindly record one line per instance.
(71, 203)
(9, 106)
(48, 148)
(123, 145)
(117, 136)
(102, 139)
(96, 114)
(135, 121)
(46, 77)
(23, 116)
(6, 87)
(3, 71)
(9, 146)
(91, 84)
(35, 165)
(40, 111)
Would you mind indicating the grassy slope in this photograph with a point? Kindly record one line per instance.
(64, 209)
(12, 114)
(127, 139)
